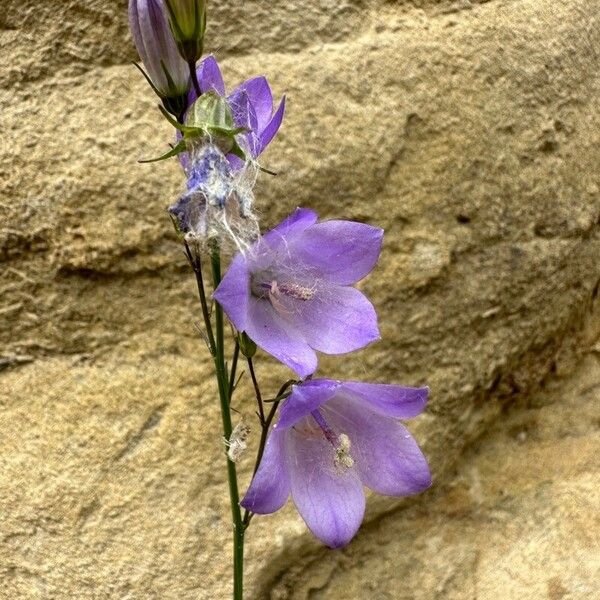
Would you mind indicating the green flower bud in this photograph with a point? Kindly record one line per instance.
(188, 23)
(247, 346)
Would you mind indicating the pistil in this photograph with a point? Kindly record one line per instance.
(341, 443)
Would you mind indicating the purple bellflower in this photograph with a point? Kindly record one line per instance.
(292, 293)
(333, 438)
(167, 71)
(251, 103)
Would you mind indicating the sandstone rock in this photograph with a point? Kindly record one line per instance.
(469, 131)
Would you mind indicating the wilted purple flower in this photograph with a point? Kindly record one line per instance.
(291, 292)
(218, 200)
(252, 106)
(332, 439)
(155, 44)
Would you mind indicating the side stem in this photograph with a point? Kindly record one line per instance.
(265, 426)
(194, 78)
(259, 402)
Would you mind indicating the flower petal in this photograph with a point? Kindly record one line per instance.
(304, 399)
(156, 46)
(289, 228)
(390, 400)
(210, 77)
(343, 252)
(336, 320)
(330, 500)
(261, 99)
(233, 293)
(245, 116)
(274, 335)
(268, 133)
(270, 485)
(385, 454)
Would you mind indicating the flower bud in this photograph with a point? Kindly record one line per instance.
(247, 346)
(188, 23)
(167, 72)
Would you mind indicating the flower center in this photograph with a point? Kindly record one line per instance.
(341, 443)
(266, 285)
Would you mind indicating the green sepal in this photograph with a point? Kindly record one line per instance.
(227, 132)
(183, 128)
(247, 346)
(265, 170)
(236, 150)
(179, 148)
(175, 222)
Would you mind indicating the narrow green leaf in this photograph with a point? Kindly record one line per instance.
(267, 171)
(176, 123)
(174, 151)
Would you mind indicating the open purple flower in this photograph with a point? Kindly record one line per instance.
(332, 439)
(251, 103)
(292, 291)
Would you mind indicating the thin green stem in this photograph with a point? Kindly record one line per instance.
(234, 362)
(259, 401)
(265, 426)
(226, 383)
(224, 395)
(195, 262)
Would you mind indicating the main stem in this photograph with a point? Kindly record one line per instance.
(216, 344)
(224, 396)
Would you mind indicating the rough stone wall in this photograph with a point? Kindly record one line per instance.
(469, 130)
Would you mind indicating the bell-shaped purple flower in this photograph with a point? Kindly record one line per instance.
(332, 439)
(292, 293)
(251, 103)
(156, 46)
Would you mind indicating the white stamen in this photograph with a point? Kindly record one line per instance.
(342, 452)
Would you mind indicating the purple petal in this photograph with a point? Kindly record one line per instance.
(343, 252)
(304, 399)
(156, 46)
(235, 161)
(336, 321)
(136, 32)
(389, 400)
(269, 331)
(233, 293)
(209, 78)
(385, 454)
(261, 98)
(270, 485)
(268, 133)
(245, 116)
(289, 228)
(330, 500)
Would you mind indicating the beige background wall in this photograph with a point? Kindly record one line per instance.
(470, 131)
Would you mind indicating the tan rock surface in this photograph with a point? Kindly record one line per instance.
(470, 132)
